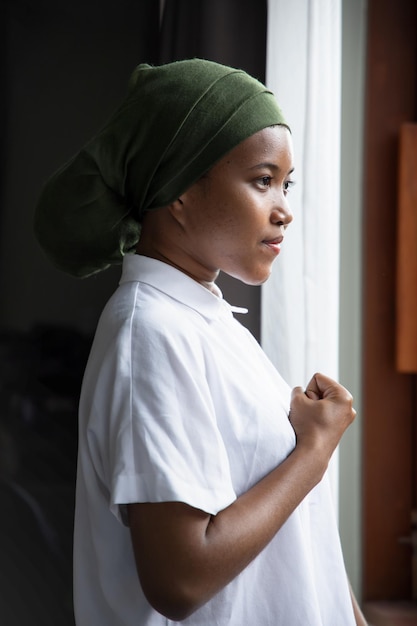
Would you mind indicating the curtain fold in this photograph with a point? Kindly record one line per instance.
(300, 302)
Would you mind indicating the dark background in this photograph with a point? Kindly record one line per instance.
(64, 67)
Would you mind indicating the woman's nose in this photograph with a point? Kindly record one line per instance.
(282, 214)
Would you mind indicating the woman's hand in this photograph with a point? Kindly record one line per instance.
(321, 414)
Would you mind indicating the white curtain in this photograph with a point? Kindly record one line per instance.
(300, 301)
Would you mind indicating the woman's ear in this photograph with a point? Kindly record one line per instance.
(185, 205)
(177, 211)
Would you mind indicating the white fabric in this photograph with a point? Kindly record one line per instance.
(180, 403)
(300, 301)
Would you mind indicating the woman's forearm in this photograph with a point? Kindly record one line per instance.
(184, 556)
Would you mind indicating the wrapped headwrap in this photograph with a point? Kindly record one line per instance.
(176, 122)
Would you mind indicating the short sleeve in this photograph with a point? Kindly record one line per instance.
(165, 440)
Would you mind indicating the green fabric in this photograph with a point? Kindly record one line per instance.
(177, 120)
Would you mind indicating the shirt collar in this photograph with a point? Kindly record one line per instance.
(176, 284)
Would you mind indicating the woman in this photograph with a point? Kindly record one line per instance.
(198, 499)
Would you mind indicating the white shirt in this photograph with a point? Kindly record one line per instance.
(179, 403)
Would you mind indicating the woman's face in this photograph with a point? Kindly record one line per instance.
(234, 218)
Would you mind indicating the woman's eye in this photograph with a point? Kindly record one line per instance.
(265, 181)
(288, 184)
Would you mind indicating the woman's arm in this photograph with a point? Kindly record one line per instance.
(184, 556)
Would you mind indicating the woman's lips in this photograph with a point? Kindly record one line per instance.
(274, 244)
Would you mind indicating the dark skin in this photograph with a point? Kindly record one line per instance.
(185, 556)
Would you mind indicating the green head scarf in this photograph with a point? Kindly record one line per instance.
(176, 122)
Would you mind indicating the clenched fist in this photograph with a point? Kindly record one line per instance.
(321, 414)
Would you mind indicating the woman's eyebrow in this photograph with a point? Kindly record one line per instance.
(272, 166)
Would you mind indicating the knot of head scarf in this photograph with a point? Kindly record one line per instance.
(176, 122)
